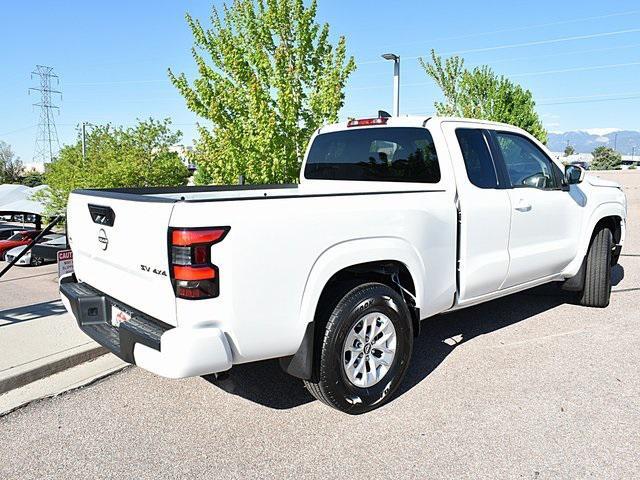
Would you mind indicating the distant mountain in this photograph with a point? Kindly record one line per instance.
(584, 141)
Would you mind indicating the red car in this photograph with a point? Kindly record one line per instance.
(18, 239)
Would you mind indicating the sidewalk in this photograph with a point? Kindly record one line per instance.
(42, 350)
(39, 340)
(44, 353)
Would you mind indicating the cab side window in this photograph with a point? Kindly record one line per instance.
(477, 157)
(527, 165)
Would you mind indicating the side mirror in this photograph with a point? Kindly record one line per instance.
(573, 174)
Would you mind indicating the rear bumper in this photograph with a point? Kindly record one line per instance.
(144, 341)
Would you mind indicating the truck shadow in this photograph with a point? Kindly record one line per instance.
(444, 333)
(11, 316)
(266, 384)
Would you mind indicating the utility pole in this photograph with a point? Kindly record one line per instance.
(83, 127)
(396, 81)
(84, 142)
(615, 142)
(47, 137)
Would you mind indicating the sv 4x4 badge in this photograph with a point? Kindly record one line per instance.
(157, 271)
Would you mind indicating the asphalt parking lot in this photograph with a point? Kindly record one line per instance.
(28, 285)
(528, 386)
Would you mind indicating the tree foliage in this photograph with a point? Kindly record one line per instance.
(138, 156)
(569, 150)
(268, 76)
(605, 158)
(482, 94)
(11, 167)
(32, 178)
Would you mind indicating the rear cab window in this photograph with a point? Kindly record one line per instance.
(478, 161)
(388, 154)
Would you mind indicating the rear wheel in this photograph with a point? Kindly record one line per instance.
(365, 350)
(597, 281)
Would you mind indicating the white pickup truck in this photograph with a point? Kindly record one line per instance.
(394, 220)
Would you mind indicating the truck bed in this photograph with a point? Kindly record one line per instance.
(193, 193)
(223, 193)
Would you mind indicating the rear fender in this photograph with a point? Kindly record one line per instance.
(354, 252)
(332, 261)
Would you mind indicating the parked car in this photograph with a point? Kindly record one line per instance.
(17, 239)
(395, 220)
(581, 164)
(43, 252)
(47, 252)
(7, 231)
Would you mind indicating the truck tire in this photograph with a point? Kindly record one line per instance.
(597, 281)
(364, 351)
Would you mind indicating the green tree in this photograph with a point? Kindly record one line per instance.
(32, 178)
(11, 167)
(605, 158)
(268, 76)
(480, 93)
(138, 156)
(569, 150)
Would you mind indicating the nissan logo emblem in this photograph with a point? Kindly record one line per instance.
(102, 239)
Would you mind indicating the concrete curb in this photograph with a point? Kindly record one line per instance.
(22, 375)
(62, 382)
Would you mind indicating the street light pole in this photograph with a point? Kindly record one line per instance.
(396, 81)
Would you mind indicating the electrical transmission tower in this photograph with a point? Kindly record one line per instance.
(47, 138)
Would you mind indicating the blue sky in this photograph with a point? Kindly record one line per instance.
(581, 59)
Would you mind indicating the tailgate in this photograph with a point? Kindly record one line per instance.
(120, 247)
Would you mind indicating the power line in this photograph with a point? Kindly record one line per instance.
(531, 26)
(538, 57)
(17, 130)
(115, 82)
(47, 136)
(594, 100)
(565, 54)
(575, 69)
(548, 41)
(544, 42)
(525, 74)
(584, 97)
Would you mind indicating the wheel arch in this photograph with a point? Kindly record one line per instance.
(608, 214)
(353, 253)
(347, 264)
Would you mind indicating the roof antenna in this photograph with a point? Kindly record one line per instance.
(383, 114)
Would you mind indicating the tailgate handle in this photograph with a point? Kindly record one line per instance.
(102, 215)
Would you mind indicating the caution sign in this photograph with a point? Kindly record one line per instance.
(65, 262)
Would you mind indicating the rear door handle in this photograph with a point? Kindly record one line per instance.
(523, 205)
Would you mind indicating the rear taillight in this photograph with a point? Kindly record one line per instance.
(193, 273)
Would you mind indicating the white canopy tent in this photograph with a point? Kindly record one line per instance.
(18, 199)
(10, 193)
